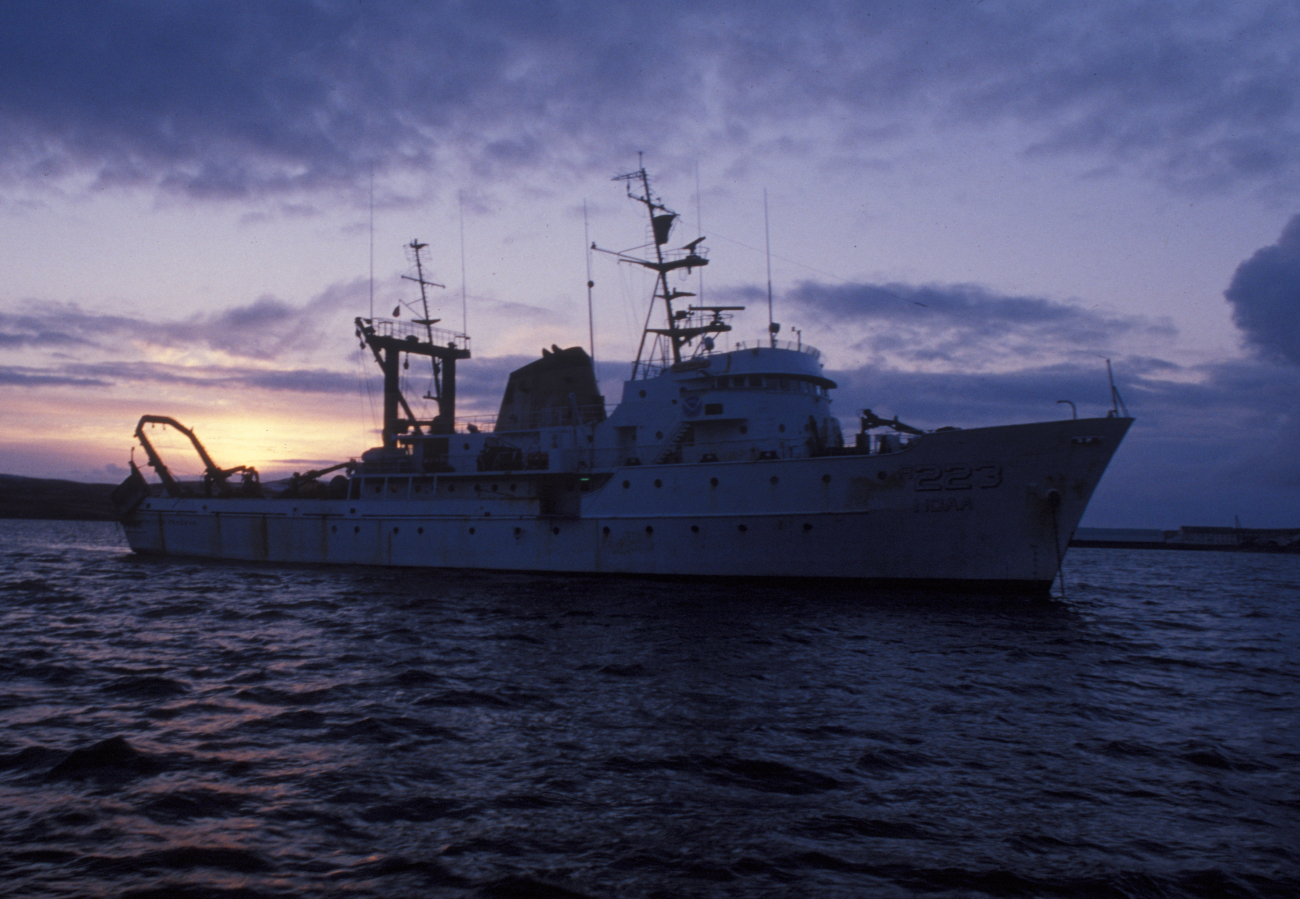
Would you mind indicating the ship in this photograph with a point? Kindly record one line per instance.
(720, 460)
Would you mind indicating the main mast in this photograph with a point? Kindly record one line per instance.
(683, 325)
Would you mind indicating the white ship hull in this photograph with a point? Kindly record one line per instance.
(715, 463)
(985, 507)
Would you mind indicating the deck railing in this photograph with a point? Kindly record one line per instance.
(388, 327)
(797, 346)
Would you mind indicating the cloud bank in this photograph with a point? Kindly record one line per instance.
(258, 346)
(1265, 296)
(235, 98)
(966, 327)
(266, 329)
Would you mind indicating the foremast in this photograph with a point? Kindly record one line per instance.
(683, 326)
(389, 339)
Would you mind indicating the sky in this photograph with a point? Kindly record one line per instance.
(970, 207)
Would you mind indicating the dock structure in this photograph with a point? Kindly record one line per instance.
(1284, 540)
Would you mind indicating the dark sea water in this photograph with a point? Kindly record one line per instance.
(221, 730)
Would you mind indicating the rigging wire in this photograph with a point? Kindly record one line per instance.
(363, 375)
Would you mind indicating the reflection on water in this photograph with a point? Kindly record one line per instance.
(224, 729)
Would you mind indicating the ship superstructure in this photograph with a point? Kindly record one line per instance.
(714, 462)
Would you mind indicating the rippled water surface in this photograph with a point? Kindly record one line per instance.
(183, 729)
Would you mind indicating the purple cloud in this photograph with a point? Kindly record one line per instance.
(1265, 296)
(237, 98)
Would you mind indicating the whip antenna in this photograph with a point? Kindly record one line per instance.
(464, 304)
(591, 319)
(372, 239)
(772, 327)
(699, 224)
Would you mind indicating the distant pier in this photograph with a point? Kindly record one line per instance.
(1257, 540)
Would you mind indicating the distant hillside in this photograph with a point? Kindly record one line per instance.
(57, 500)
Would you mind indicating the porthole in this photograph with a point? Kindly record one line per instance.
(642, 394)
(451, 488)
(774, 480)
(658, 483)
(555, 531)
(744, 429)
(781, 428)
(659, 435)
(494, 488)
(713, 482)
(464, 446)
(649, 530)
(334, 529)
(352, 511)
(471, 531)
(627, 484)
(743, 528)
(826, 479)
(695, 529)
(357, 529)
(419, 530)
(807, 526)
(880, 475)
(605, 531)
(518, 531)
(512, 487)
(395, 530)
